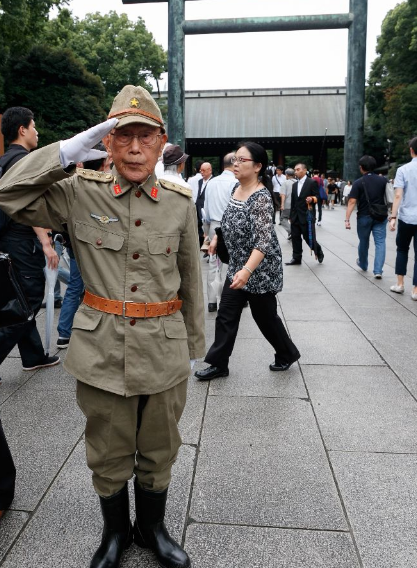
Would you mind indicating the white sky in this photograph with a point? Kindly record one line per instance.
(255, 60)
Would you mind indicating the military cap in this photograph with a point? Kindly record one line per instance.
(136, 105)
(173, 155)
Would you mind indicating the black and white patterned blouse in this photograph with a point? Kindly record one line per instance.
(247, 225)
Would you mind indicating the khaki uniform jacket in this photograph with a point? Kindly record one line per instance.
(133, 243)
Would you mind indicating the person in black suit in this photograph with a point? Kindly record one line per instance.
(207, 173)
(304, 192)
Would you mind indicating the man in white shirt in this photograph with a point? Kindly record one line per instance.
(277, 180)
(217, 197)
(193, 180)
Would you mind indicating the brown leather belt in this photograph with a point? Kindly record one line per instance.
(132, 309)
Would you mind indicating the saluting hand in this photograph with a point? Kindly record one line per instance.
(79, 147)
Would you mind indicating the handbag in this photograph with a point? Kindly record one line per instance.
(221, 251)
(14, 307)
(378, 211)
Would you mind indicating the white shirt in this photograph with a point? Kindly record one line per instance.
(277, 182)
(218, 195)
(175, 178)
(193, 182)
(300, 185)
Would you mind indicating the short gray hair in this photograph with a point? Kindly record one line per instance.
(289, 172)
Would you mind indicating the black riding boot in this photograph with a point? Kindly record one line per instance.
(150, 531)
(117, 531)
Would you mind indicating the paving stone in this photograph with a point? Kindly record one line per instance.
(41, 430)
(335, 343)
(66, 529)
(190, 423)
(355, 410)
(324, 308)
(236, 547)
(10, 526)
(13, 377)
(262, 462)
(380, 495)
(250, 376)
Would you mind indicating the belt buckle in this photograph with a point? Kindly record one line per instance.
(124, 308)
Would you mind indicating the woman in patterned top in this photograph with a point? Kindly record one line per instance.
(255, 267)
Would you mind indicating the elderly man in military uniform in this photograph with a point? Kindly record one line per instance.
(135, 242)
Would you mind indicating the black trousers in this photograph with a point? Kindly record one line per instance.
(264, 312)
(298, 233)
(7, 473)
(28, 261)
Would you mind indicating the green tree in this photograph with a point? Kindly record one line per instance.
(21, 25)
(392, 89)
(65, 98)
(119, 51)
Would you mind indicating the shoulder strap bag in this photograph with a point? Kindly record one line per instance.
(14, 307)
(378, 211)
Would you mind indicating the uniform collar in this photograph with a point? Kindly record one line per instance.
(120, 186)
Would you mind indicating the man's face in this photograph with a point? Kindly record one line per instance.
(30, 136)
(205, 171)
(300, 171)
(279, 172)
(135, 149)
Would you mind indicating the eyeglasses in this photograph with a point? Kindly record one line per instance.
(125, 138)
(240, 160)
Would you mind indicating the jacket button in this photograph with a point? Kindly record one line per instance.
(132, 322)
(133, 288)
(135, 255)
(168, 250)
(138, 193)
(99, 242)
(138, 223)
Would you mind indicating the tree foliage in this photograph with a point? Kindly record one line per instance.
(392, 89)
(21, 25)
(119, 51)
(65, 98)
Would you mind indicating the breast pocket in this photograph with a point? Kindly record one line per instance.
(165, 245)
(98, 237)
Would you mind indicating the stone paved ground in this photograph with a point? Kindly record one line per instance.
(312, 468)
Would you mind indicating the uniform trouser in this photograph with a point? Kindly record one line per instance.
(298, 233)
(264, 312)
(214, 263)
(405, 233)
(28, 261)
(7, 473)
(285, 215)
(126, 435)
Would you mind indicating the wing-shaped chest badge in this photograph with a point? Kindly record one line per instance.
(104, 219)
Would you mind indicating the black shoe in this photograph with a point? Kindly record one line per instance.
(211, 373)
(149, 530)
(212, 307)
(292, 262)
(62, 342)
(47, 362)
(280, 366)
(320, 257)
(117, 532)
(57, 304)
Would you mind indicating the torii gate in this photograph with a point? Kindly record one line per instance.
(355, 21)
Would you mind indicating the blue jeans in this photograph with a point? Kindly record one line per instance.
(405, 233)
(71, 299)
(365, 226)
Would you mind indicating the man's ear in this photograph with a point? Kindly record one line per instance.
(164, 140)
(107, 143)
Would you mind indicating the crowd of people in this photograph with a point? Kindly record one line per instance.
(134, 239)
